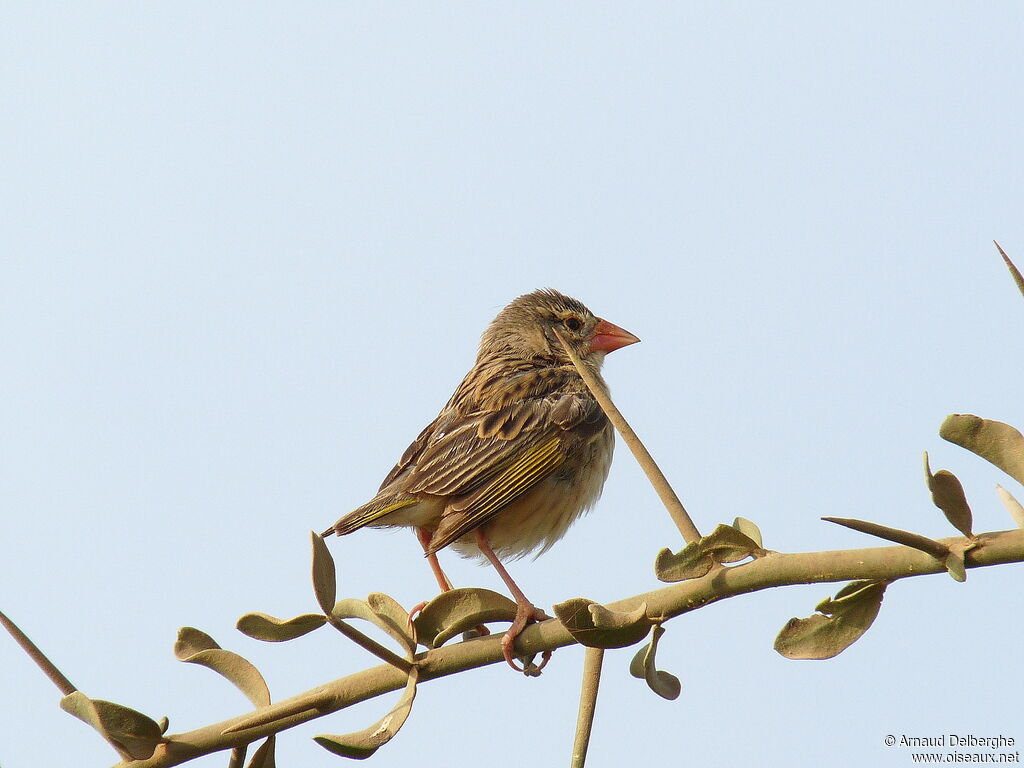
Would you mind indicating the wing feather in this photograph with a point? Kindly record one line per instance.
(484, 451)
(518, 477)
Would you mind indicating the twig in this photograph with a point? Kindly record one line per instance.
(915, 540)
(592, 660)
(643, 456)
(49, 669)
(370, 644)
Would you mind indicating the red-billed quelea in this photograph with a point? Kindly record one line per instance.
(520, 451)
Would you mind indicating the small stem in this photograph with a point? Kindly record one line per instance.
(237, 756)
(49, 669)
(369, 644)
(592, 660)
(643, 456)
(934, 548)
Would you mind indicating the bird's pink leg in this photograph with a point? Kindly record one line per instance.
(526, 611)
(442, 581)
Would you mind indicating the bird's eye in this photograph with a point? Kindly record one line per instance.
(573, 323)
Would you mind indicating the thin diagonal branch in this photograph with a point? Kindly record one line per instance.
(49, 668)
(592, 660)
(773, 570)
(364, 641)
(650, 467)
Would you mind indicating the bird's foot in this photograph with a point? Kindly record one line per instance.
(526, 614)
(479, 630)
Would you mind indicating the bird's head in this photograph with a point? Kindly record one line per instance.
(526, 327)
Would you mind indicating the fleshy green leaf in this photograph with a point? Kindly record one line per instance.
(364, 743)
(691, 562)
(262, 626)
(1012, 505)
(197, 647)
(955, 566)
(729, 545)
(131, 733)
(954, 561)
(994, 441)
(390, 613)
(264, 756)
(381, 610)
(847, 597)
(839, 623)
(643, 666)
(725, 544)
(948, 495)
(325, 584)
(749, 529)
(605, 618)
(191, 640)
(457, 610)
(593, 625)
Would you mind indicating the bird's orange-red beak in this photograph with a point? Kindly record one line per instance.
(608, 337)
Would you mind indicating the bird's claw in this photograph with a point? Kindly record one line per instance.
(478, 631)
(526, 614)
(533, 670)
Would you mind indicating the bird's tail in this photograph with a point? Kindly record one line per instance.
(367, 514)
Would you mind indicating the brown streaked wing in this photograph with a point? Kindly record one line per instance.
(508, 385)
(516, 478)
(463, 458)
(496, 477)
(411, 455)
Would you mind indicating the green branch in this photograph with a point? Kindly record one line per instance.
(772, 570)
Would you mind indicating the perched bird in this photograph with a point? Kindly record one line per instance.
(520, 451)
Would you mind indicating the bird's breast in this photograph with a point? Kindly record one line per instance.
(540, 517)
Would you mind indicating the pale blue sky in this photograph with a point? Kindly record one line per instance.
(246, 252)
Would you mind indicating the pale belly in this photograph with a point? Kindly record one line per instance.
(534, 522)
